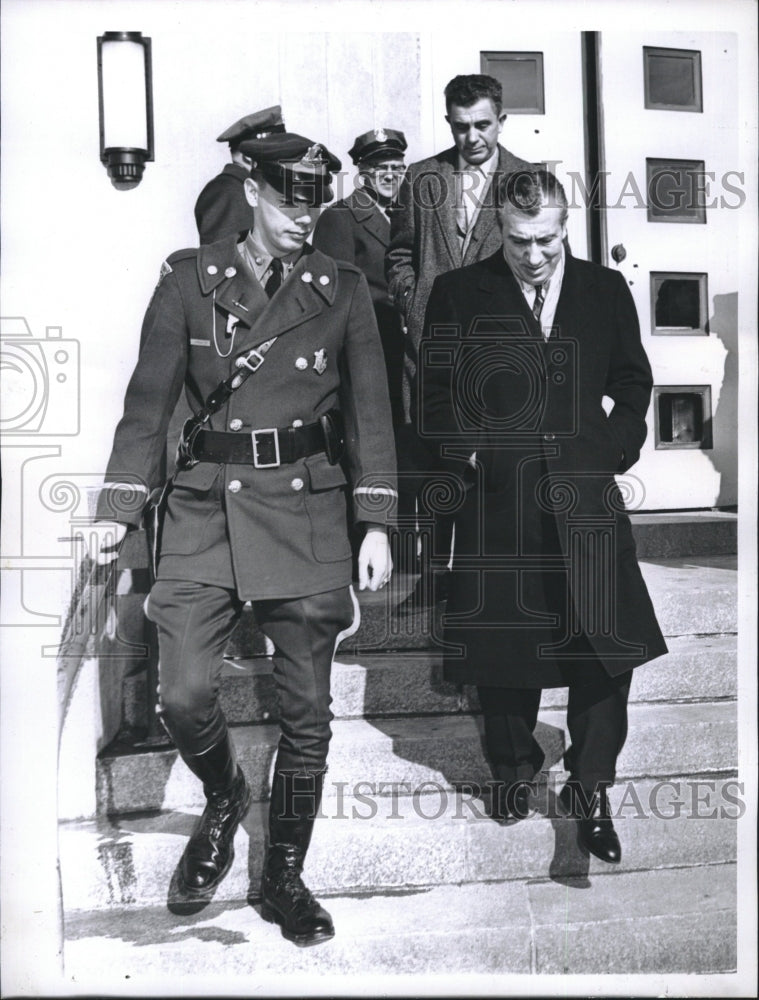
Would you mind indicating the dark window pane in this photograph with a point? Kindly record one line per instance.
(677, 302)
(672, 79)
(683, 417)
(676, 190)
(521, 76)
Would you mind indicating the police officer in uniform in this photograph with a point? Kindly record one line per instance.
(358, 229)
(222, 207)
(259, 512)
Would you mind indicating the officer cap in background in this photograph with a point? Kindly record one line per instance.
(378, 142)
(294, 165)
(255, 126)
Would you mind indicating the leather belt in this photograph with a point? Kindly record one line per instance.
(265, 448)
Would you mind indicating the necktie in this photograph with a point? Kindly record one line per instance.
(537, 305)
(275, 277)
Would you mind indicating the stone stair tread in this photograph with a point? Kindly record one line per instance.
(677, 921)
(353, 732)
(684, 517)
(381, 683)
(350, 733)
(129, 860)
(692, 596)
(697, 668)
(444, 749)
(370, 685)
(685, 533)
(656, 921)
(388, 660)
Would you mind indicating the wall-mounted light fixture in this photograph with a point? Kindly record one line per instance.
(125, 97)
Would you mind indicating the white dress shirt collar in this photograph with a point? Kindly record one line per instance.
(551, 292)
(488, 167)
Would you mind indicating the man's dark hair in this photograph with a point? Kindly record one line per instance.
(466, 90)
(529, 191)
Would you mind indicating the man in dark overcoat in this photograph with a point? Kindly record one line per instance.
(445, 218)
(519, 352)
(258, 513)
(357, 229)
(222, 207)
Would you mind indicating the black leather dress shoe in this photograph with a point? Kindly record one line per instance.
(511, 802)
(595, 829)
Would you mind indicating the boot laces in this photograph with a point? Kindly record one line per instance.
(296, 889)
(216, 813)
(289, 880)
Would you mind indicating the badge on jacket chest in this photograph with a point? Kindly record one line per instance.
(320, 361)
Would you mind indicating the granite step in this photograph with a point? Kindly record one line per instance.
(375, 684)
(674, 534)
(664, 740)
(665, 921)
(382, 842)
(697, 667)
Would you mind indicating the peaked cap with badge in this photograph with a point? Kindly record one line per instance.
(294, 165)
(222, 208)
(257, 125)
(377, 142)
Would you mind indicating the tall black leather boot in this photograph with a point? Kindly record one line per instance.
(210, 851)
(285, 900)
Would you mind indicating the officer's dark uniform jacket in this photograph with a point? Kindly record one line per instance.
(357, 230)
(222, 208)
(268, 533)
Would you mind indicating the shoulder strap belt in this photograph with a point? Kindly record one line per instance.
(246, 365)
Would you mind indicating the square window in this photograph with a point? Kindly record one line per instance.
(683, 416)
(521, 76)
(678, 303)
(672, 79)
(676, 190)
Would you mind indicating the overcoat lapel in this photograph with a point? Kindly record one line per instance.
(576, 293)
(445, 212)
(501, 296)
(222, 274)
(486, 217)
(242, 296)
(370, 218)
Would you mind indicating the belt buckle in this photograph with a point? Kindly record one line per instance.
(269, 448)
(252, 360)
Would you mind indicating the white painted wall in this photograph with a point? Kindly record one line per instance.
(685, 477)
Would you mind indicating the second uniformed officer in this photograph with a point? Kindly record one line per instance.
(358, 229)
(258, 512)
(222, 207)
